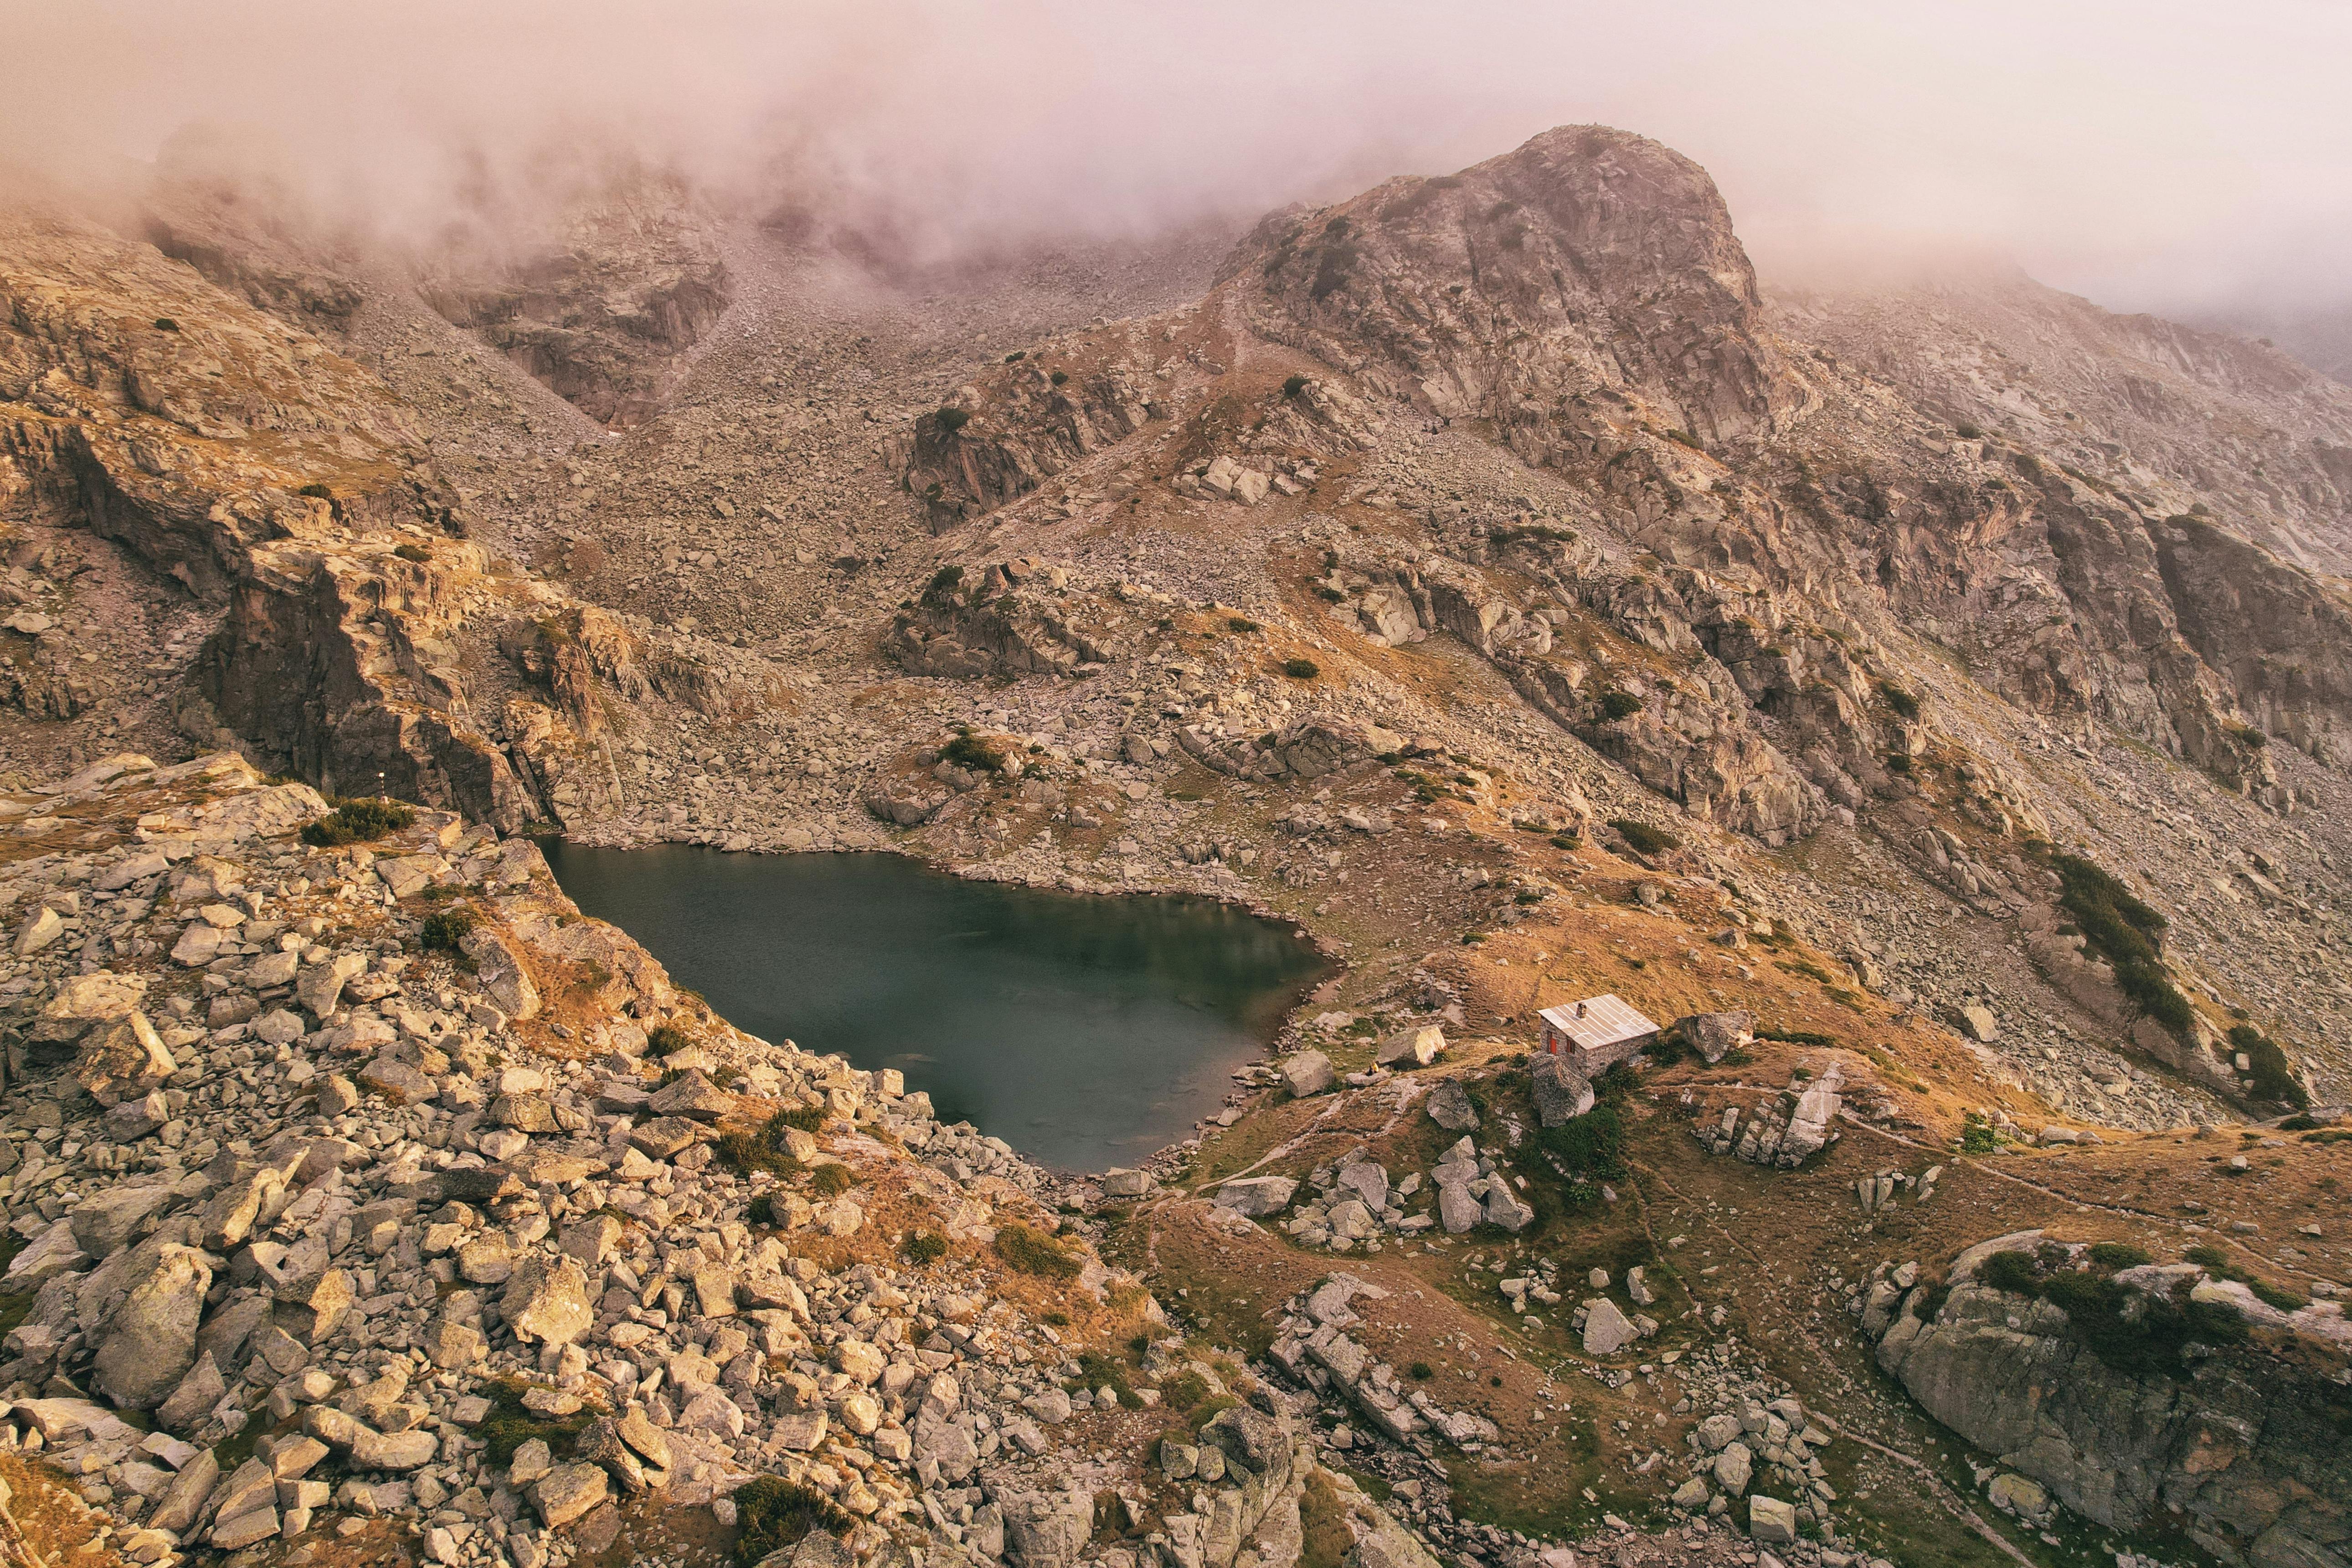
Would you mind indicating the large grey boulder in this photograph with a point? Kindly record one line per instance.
(1308, 1072)
(1716, 1035)
(502, 974)
(192, 1400)
(1450, 1107)
(1048, 1529)
(1415, 1046)
(1457, 1211)
(150, 1340)
(1733, 1467)
(1504, 1208)
(1257, 1195)
(547, 1301)
(1561, 1093)
(1770, 1520)
(1607, 1331)
(566, 1492)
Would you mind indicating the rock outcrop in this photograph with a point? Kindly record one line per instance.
(2242, 1441)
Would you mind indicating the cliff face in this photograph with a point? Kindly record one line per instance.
(2245, 1445)
(600, 312)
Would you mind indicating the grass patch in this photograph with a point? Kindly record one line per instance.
(1616, 705)
(1033, 1251)
(773, 1513)
(358, 822)
(924, 1247)
(1301, 668)
(766, 1149)
(1323, 1519)
(667, 1039)
(969, 752)
(508, 1426)
(1643, 838)
(830, 1181)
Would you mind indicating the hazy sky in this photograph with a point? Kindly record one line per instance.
(2146, 154)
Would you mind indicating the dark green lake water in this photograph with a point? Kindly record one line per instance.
(1085, 1031)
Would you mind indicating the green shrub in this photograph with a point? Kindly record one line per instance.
(165, 324)
(316, 491)
(2118, 1256)
(2012, 1272)
(1242, 624)
(1058, 377)
(416, 553)
(1301, 668)
(2135, 1331)
(1977, 1136)
(664, 1040)
(358, 822)
(1420, 1372)
(1033, 1251)
(760, 1210)
(923, 1247)
(1586, 1150)
(1968, 432)
(951, 420)
(446, 929)
(773, 1513)
(2121, 929)
(830, 1180)
(2277, 1296)
(1616, 705)
(969, 752)
(1016, 356)
(1904, 704)
(1294, 386)
(2271, 1077)
(1643, 838)
(769, 1149)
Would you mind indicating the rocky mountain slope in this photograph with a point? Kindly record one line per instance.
(1931, 705)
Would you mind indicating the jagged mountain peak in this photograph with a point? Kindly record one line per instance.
(1587, 263)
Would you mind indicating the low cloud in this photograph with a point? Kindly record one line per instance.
(2154, 154)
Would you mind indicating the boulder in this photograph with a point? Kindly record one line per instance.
(1457, 1211)
(1606, 1330)
(566, 1492)
(320, 987)
(1978, 1024)
(194, 1399)
(1257, 1195)
(502, 974)
(1770, 1520)
(547, 1301)
(121, 1058)
(1124, 1183)
(1415, 1046)
(1504, 1208)
(1450, 1107)
(1715, 1034)
(110, 1218)
(53, 1252)
(1561, 1093)
(149, 1342)
(1308, 1072)
(1733, 1467)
